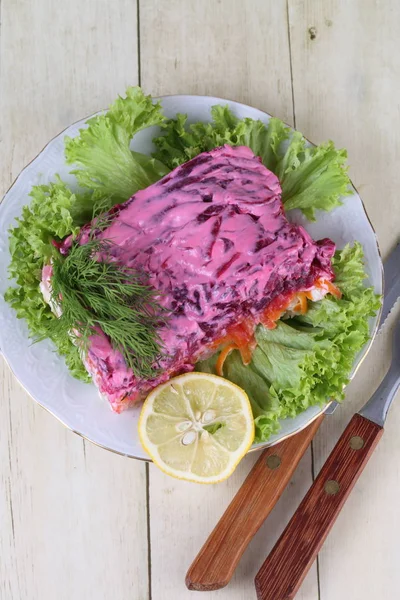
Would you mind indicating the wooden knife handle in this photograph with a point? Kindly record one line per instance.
(216, 562)
(287, 565)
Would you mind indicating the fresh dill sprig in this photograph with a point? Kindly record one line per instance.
(95, 292)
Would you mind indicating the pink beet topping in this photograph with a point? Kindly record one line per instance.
(212, 236)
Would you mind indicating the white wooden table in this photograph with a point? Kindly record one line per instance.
(77, 522)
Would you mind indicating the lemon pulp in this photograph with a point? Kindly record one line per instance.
(197, 427)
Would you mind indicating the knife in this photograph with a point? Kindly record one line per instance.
(284, 570)
(217, 560)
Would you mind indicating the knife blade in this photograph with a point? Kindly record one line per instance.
(392, 283)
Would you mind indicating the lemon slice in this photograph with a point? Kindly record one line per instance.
(197, 427)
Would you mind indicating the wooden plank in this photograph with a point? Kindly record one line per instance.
(344, 83)
(73, 516)
(182, 515)
(58, 64)
(235, 50)
(345, 71)
(224, 48)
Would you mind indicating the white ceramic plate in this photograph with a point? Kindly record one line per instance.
(43, 373)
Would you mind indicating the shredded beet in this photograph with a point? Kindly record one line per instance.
(213, 238)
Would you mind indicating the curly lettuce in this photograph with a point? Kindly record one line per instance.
(111, 173)
(307, 359)
(107, 165)
(300, 363)
(53, 213)
(312, 178)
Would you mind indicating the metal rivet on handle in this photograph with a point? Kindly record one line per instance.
(273, 462)
(356, 442)
(331, 487)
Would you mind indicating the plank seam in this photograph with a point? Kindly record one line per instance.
(149, 574)
(313, 475)
(138, 42)
(290, 63)
(84, 452)
(294, 125)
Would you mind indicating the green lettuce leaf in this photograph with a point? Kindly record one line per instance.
(111, 172)
(53, 213)
(179, 142)
(311, 177)
(107, 165)
(306, 360)
(302, 361)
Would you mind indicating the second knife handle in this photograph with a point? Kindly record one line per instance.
(216, 562)
(288, 563)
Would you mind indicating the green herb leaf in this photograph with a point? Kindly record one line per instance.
(96, 293)
(213, 428)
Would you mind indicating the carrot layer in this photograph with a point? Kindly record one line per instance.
(223, 355)
(241, 337)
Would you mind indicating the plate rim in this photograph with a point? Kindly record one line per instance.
(253, 448)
